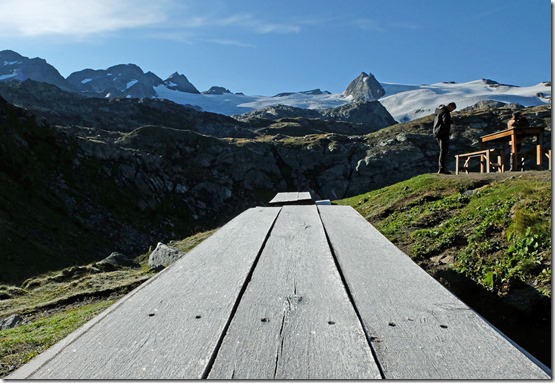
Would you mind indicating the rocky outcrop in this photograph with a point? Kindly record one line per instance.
(365, 88)
(163, 256)
(180, 83)
(116, 260)
(368, 113)
(277, 112)
(312, 92)
(364, 117)
(217, 90)
(484, 104)
(10, 322)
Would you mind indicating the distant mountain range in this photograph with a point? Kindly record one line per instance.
(403, 102)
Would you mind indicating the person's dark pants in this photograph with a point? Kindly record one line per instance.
(443, 149)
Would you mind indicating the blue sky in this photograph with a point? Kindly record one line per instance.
(264, 47)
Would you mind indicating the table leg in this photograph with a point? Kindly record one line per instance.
(539, 152)
(514, 156)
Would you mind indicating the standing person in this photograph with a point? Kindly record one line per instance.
(442, 130)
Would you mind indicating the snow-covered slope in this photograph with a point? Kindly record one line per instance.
(230, 104)
(404, 102)
(407, 102)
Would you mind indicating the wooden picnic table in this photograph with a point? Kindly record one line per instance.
(292, 292)
(514, 136)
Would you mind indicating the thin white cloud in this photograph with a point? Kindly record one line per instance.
(492, 11)
(245, 21)
(278, 28)
(231, 43)
(368, 25)
(34, 18)
(183, 21)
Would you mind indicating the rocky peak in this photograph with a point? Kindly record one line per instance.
(217, 90)
(14, 66)
(123, 80)
(10, 56)
(180, 82)
(365, 88)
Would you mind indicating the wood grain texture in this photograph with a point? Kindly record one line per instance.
(295, 319)
(419, 330)
(170, 328)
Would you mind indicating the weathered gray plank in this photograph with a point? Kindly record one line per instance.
(170, 328)
(304, 196)
(295, 319)
(289, 197)
(419, 329)
(284, 197)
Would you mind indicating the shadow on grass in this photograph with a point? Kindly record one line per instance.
(524, 315)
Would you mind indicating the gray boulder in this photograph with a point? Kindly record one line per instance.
(10, 322)
(163, 256)
(117, 260)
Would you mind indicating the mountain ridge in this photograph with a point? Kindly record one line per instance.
(403, 102)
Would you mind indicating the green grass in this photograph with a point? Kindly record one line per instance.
(495, 228)
(56, 303)
(20, 344)
(191, 242)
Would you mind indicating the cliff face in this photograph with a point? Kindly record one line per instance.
(73, 193)
(365, 88)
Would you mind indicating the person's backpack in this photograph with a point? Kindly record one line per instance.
(438, 128)
(435, 125)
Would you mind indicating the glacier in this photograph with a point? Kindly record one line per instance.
(404, 102)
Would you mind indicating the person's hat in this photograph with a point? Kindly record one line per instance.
(516, 114)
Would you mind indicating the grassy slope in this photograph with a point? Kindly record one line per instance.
(494, 228)
(55, 304)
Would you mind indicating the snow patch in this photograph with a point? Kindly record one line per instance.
(131, 83)
(7, 76)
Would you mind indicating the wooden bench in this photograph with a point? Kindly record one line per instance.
(292, 292)
(485, 157)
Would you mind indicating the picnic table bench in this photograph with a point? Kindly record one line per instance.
(301, 292)
(485, 157)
